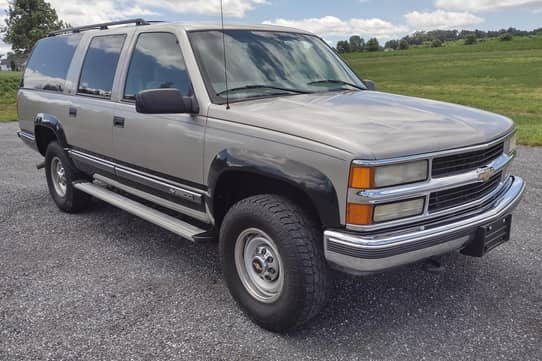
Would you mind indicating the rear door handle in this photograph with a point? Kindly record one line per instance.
(72, 112)
(118, 122)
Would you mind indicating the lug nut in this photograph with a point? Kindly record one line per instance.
(272, 271)
(269, 259)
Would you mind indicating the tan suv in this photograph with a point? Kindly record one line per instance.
(270, 144)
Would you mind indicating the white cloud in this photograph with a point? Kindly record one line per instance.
(232, 8)
(81, 12)
(441, 19)
(4, 48)
(333, 26)
(487, 5)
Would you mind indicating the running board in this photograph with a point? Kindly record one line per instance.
(163, 220)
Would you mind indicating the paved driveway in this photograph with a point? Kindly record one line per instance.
(106, 285)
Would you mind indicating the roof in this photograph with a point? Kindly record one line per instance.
(187, 26)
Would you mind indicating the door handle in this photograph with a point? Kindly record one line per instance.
(118, 122)
(72, 112)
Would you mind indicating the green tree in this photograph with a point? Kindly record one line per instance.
(372, 45)
(470, 39)
(403, 44)
(437, 43)
(506, 37)
(343, 46)
(392, 44)
(356, 43)
(28, 21)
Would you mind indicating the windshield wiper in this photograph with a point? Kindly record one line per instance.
(262, 86)
(334, 81)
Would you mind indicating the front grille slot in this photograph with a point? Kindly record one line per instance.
(457, 196)
(464, 162)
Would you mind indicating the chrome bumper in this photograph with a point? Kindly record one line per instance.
(368, 253)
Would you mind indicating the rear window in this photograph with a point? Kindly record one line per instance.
(100, 65)
(49, 63)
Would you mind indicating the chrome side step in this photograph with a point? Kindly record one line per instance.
(201, 216)
(163, 220)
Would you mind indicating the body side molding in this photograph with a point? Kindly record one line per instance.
(312, 182)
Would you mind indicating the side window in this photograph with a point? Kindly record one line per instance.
(157, 62)
(49, 63)
(100, 65)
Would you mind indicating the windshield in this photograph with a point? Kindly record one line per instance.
(264, 63)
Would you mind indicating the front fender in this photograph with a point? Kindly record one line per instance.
(312, 182)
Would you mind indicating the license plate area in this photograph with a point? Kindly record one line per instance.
(489, 236)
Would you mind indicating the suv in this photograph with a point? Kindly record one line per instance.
(263, 138)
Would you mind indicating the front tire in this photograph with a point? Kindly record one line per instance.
(273, 263)
(61, 174)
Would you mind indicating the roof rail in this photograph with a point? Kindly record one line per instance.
(101, 26)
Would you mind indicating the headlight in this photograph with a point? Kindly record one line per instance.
(510, 144)
(365, 214)
(398, 210)
(388, 175)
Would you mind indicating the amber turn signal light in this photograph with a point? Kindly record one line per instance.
(359, 214)
(361, 177)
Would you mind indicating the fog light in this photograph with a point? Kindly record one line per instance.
(398, 210)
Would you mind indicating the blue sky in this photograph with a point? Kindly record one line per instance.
(333, 20)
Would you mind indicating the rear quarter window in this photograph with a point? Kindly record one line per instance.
(49, 63)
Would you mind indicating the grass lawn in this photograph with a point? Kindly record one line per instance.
(503, 77)
(9, 83)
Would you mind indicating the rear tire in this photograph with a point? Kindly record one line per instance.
(273, 263)
(61, 174)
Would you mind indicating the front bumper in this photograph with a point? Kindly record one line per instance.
(368, 253)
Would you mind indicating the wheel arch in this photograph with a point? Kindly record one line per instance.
(47, 128)
(251, 173)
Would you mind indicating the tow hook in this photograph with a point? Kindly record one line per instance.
(40, 165)
(434, 265)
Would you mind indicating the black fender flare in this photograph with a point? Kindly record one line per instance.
(315, 185)
(44, 121)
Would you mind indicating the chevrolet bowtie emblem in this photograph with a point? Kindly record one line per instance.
(485, 173)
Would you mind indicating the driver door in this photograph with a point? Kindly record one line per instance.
(168, 145)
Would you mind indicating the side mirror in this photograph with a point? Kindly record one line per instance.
(165, 101)
(370, 84)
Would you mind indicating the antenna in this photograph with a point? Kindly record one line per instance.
(225, 58)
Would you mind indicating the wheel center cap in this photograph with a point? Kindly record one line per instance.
(258, 266)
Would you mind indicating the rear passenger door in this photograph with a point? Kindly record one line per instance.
(90, 122)
(164, 144)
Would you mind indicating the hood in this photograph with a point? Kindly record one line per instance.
(368, 124)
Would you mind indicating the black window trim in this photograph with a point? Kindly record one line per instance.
(77, 92)
(132, 51)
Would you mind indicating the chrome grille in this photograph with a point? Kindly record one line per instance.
(457, 196)
(464, 162)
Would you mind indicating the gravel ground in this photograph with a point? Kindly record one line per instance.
(106, 285)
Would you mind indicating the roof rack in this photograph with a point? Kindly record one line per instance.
(101, 26)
